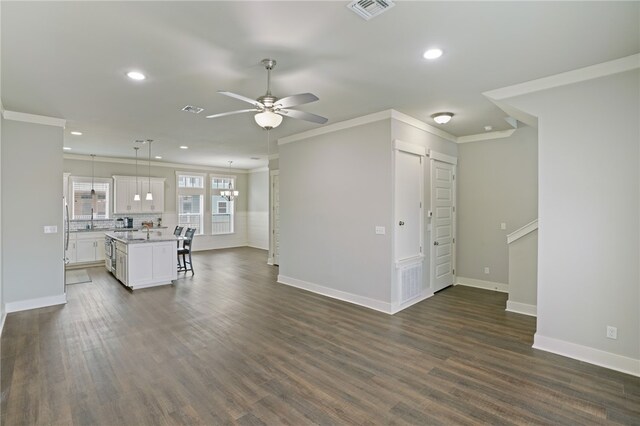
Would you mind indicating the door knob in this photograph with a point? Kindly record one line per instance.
(401, 223)
(435, 243)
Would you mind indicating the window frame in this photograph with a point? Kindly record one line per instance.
(88, 180)
(191, 191)
(231, 205)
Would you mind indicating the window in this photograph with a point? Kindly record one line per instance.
(83, 204)
(190, 197)
(222, 210)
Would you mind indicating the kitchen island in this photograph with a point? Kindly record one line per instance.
(144, 259)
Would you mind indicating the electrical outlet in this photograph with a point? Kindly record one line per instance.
(380, 230)
(612, 332)
(486, 269)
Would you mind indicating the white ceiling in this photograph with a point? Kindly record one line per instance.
(68, 60)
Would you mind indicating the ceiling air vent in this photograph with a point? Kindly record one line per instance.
(367, 9)
(193, 109)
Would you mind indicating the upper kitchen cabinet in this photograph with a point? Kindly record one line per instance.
(125, 190)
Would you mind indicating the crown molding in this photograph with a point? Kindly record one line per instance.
(366, 119)
(153, 163)
(35, 119)
(627, 63)
(486, 136)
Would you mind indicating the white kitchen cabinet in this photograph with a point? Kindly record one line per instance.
(144, 263)
(125, 189)
(157, 191)
(86, 247)
(122, 263)
(70, 253)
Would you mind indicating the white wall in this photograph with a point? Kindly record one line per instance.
(258, 209)
(334, 189)
(497, 183)
(31, 198)
(589, 234)
(107, 169)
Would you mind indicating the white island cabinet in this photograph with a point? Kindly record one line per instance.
(142, 262)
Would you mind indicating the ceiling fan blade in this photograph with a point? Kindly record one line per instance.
(242, 98)
(293, 100)
(302, 115)
(222, 114)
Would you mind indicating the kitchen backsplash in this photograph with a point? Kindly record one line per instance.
(77, 225)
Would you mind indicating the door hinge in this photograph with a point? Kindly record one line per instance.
(420, 205)
(454, 241)
(454, 209)
(453, 271)
(454, 177)
(420, 249)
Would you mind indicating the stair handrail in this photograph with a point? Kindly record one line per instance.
(521, 232)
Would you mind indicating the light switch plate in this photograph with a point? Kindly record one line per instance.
(50, 229)
(380, 230)
(503, 226)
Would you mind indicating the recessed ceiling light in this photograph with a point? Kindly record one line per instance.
(136, 75)
(76, 133)
(432, 54)
(158, 157)
(184, 147)
(442, 117)
(66, 148)
(488, 128)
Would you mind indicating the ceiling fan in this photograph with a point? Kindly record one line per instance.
(270, 109)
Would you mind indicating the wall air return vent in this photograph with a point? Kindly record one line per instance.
(367, 9)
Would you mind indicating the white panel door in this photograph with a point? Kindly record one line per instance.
(275, 218)
(408, 205)
(442, 224)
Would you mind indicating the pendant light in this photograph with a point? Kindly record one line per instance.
(229, 194)
(93, 191)
(149, 196)
(136, 197)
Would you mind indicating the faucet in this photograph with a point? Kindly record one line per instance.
(91, 218)
(147, 232)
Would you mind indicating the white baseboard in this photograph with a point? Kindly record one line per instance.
(587, 354)
(255, 246)
(270, 261)
(376, 305)
(522, 308)
(395, 308)
(487, 285)
(41, 302)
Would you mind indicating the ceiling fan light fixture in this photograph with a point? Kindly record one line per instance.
(442, 117)
(268, 119)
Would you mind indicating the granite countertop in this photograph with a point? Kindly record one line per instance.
(115, 229)
(133, 237)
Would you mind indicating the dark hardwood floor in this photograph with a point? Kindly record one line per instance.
(231, 346)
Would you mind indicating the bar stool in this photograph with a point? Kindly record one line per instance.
(177, 231)
(186, 250)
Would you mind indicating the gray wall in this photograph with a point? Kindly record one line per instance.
(523, 269)
(202, 242)
(334, 189)
(497, 182)
(258, 209)
(589, 235)
(31, 198)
